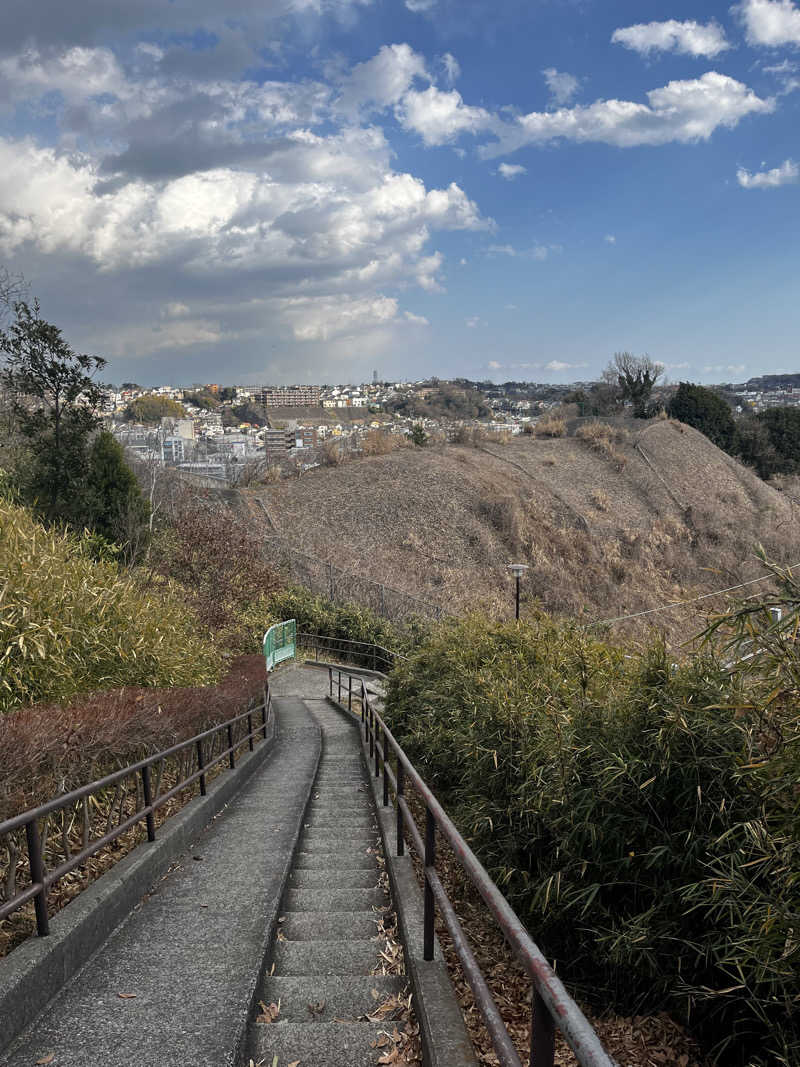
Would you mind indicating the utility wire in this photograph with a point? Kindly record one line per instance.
(693, 600)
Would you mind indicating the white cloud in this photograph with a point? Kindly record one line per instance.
(539, 252)
(509, 171)
(562, 86)
(688, 38)
(418, 6)
(494, 365)
(76, 73)
(473, 321)
(450, 67)
(786, 73)
(770, 22)
(682, 111)
(610, 239)
(439, 117)
(559, 365)
(728, 368)
(786, 174)
(415, 320)
(383, 80)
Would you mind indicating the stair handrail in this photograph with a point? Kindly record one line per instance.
(552, 1006)
(42, 880)
(382, 659)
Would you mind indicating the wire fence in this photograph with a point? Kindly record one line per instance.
(324, 578)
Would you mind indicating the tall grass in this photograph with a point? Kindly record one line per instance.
(69, 624)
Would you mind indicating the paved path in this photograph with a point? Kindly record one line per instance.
(192, 953)
(324, 966)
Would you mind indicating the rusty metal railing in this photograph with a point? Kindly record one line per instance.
(359, 653)
(552, 1006)
(201, 758)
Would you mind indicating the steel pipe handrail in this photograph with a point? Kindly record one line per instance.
(552, 1004)
(42, 880)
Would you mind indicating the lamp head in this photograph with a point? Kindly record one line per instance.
(518, 569)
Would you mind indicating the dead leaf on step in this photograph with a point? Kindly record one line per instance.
(46, 1059)
(294, 1063)
(317, 1007)
(269, 1012)
(126, 996)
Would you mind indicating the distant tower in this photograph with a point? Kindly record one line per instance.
(374, 377)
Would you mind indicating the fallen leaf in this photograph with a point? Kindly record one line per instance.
(294, 1063)
(126, 996)
(46, 1059)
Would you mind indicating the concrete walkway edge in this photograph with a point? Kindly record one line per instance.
(40, 967)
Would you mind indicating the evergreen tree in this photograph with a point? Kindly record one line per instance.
(705, 411)
(54, 400)
(115, 507)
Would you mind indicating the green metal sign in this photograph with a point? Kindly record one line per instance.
(279, 643)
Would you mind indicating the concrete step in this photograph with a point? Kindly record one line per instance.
(341, 860)
(334, 879)
(329, 925)
(318, 899)
(328, 820)
(325, 957)
(321, 999)
(318, 839)
(321, 1045)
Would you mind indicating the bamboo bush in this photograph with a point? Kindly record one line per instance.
(641, 816)
(69, 623)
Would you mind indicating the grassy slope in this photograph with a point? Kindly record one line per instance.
(603, 538)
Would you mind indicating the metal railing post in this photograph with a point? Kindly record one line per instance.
(36, 864)
(231, 756)
(363, 701)
(349, 692)
(147, 793)
(330, 681)
(371, 732)
(264, 716)
(385, 768)
(543, 1033)
(250, 730)
(430, 860)
(340, 686)
(200, 766)
(378, 752)
(401, 844)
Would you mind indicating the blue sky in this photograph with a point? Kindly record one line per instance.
(307, 190)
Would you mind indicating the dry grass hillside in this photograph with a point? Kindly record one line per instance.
(613, 522)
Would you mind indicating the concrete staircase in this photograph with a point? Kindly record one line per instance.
(323, 971)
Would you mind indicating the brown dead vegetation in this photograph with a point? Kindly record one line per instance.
(442, 522)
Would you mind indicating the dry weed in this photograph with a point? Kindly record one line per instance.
(550, 427)
(601, 500)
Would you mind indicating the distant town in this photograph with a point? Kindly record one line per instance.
(223, 432)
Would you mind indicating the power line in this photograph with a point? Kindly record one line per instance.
(693, 600)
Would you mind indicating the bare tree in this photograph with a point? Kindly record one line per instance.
(13, 287)
(636, 376)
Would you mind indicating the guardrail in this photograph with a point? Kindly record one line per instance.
(552, 1006)
(359, 653)
(279, 643)
(197, 753)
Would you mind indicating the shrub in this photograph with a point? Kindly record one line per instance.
(69, 624)
(377, 443)
(637, 814)
(706, 411)
(601, 437)
(550, 427)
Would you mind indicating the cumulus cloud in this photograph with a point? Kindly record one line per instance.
(610, 239)
(786, 174)
(510, 171)
(682, 111)
(383, 80)
(419, 6)
(688, 38)
(439, 116)
(562, 86)
(770, 23)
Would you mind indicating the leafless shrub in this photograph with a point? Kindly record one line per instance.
(331, 453)
(601, 500)
(550, 427)
(505, 514)
(378, 443)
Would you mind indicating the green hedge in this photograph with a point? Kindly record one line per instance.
(635, 814)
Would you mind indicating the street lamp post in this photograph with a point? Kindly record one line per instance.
(517, 569)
